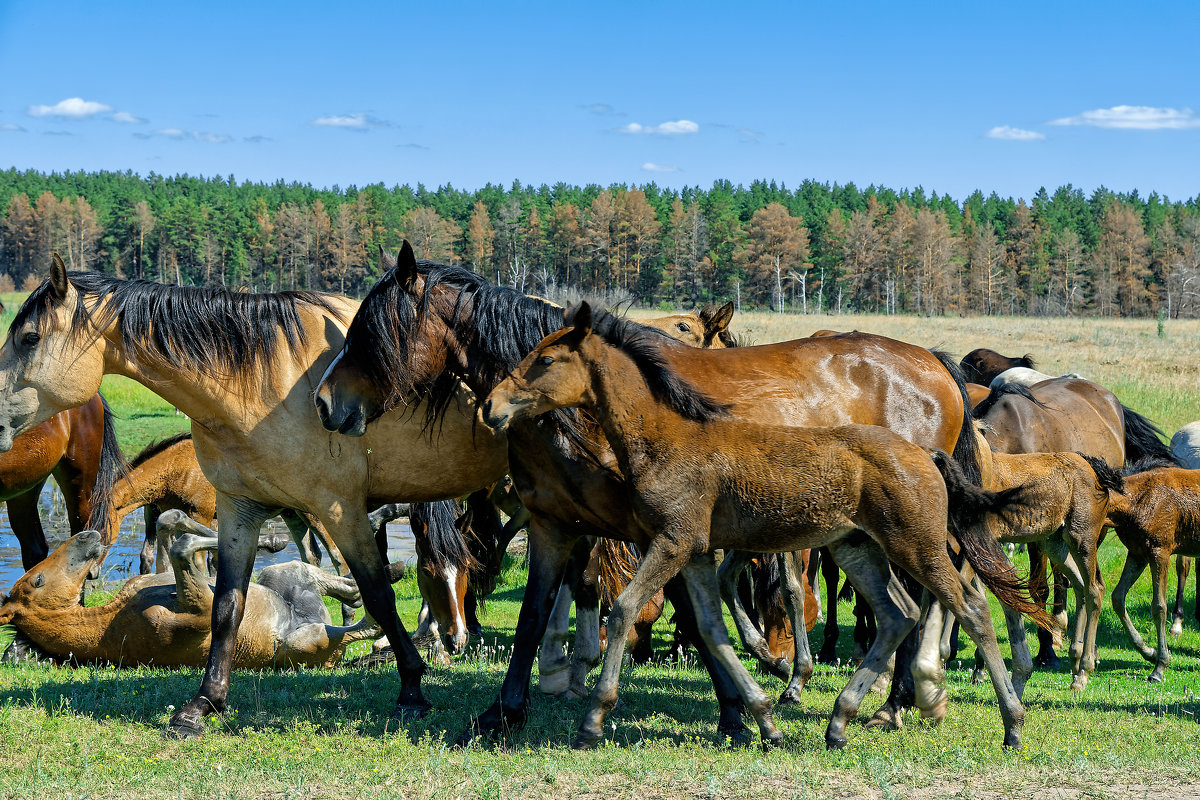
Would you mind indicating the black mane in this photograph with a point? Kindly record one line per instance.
(156, 447)
(1000, 392)
(214, 332)
(646, 347)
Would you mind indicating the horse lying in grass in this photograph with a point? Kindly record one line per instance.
(165, 620)
(1156, 517)
(700, 481)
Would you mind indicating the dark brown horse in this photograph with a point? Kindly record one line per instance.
(700, 480)
(983, 365)
(424, 328)
(77, 447)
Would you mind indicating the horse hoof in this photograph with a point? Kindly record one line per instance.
(1047, 661)
(576, 693)
(587, 741)
(738, 736)
(978, 676)
(1154, 677)
(184, 727)
(789, 697)
(826, 656)
(554, 684)
(1012, 740)
(410, 712)
(772, 741)
(835, 744)
(886, 717)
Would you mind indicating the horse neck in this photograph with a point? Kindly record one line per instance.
(143, 485)
(484, 359)
(637, 426)
(75, 629)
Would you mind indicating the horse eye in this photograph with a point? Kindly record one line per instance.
(683, 326)
(31, 338)
(545, 361)
(39, 580)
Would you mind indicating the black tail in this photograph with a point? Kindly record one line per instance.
(1145, 465)
(481, 529)
(1002, 391)
(966, 448)
(1142, 439)
(111, 468)
(968, 504)
(440, 543)
(1107, 477)
(767, 578)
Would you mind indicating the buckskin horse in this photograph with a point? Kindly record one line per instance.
(424, 329)
(700, 480)
(243, 367)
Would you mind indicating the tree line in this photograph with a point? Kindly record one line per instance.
(818, 248)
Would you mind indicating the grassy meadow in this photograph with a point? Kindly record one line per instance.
(96, 732)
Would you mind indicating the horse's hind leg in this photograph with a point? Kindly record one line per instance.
(728, 574)
(1135, 564)
(929, 671)
(188, 539)
(832, 576)
(790, 570)
(1159, 567)
(1183, 565)
(554, 677)
(701, 579)
(587, 634)
(896, 613)
(150, 544)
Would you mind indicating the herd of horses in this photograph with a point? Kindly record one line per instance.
(895, 464)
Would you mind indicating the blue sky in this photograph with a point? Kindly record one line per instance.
(1003, 97)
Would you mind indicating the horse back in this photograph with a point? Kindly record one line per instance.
(1075, 415)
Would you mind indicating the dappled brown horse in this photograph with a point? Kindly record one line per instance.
(424, 328)
(1156, 517)
(165, 620)
(71, 447)
(700, 480)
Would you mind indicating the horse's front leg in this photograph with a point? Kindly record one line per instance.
(549, 548)
(728, 574)
(554, 666)
(239, 520)
(791, 569)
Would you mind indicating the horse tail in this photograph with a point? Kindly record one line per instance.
(967, 505)
(1142, 439)
(1106, 477)
(767, 577)
(480, 526)
(618, 563)
(1145, 465)
(999, 393)
(110, 469)
(966, 447)
(440, 543)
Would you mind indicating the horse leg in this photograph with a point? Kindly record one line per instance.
(864, 628)
(150, 543)
(811, 572)
(549, 549)
(586, 656)
(928, 669)
(867, 568)
(641, 643)
(903, 692)
(1183, 565)
(554, 677)
(240, 520)
(1039, 589)
(790, 571)
(832, 576)
(662, 560)
(1159, 567)
(1135, 564)
(729, 700)
(728, 575)
(701, 578)
(1074, 561)
(26, 524)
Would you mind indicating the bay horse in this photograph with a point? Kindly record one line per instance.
(1157, 516)
(164, 619)
(426, 328)
(76, 446)
(701, 480)
(243, 367)
(982, 365)
(1066, 415)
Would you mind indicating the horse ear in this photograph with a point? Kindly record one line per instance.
(386, 260)
(406, 266)
(579, 320)
(58, 277)
(722, 317)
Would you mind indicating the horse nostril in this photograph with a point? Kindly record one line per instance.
(322, 408)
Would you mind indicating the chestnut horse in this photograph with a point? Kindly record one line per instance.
(425, 328)
(243, 367)
(700, 480)
(76, 446)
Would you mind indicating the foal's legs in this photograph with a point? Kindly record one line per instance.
(1183, 565)
(1159, 566)
(728, 574)
(553, 665)
(790, 571)
(896, 613)
(1135, 564)
(663, 559)
(832, 575)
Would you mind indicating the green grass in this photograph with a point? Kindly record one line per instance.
(95, 732)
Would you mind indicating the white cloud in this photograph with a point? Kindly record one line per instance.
(179, 135)
(1139, 118)
(342, 121)
(72, 107)
(1014, 134)
(11, 126)
(172, 133)
(675, 128)
(211, 138)
(126, 118)
(650, 166)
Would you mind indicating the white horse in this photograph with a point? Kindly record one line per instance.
(1025, 376)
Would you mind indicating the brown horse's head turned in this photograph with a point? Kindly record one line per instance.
(55, 583)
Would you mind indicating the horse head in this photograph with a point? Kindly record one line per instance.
(55, 583)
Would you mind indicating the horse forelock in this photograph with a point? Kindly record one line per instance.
(647, 347)
(215, 332)
(378, 339)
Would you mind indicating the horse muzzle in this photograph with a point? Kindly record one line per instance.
(496, 419)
